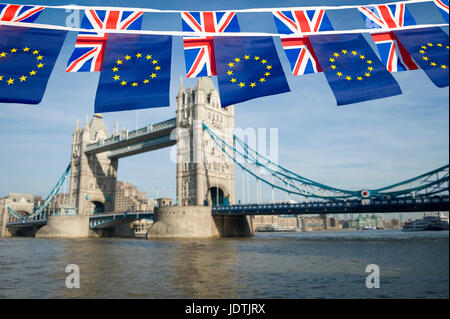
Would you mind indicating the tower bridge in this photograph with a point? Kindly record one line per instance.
(208, 155)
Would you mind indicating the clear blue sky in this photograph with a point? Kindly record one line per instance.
(363, 145)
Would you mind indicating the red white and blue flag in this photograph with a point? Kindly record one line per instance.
(298, 49)
(386, 16)
(199, 51)
(443, 8)
(394, 56)
(90, 46)
(18, 13)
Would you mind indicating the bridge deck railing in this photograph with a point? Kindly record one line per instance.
(102, 219)
(433, 203)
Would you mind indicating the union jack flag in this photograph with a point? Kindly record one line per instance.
(90, 46)
(392, 53)
(199, 51)
(387, 16)
(298, 50)
(443, 8)
(17, 13)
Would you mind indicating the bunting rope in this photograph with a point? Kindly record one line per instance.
(216, 34)
(251, 10)
(209, 34)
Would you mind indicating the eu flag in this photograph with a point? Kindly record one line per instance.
(429, 48)
(27, 57)
(248, 68)
(135, 73)
(352, 69)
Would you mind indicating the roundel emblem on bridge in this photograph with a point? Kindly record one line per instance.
(365, 193)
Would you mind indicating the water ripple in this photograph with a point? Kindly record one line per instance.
(269, 265)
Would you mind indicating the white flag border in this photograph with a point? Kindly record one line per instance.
(152, 10)
(215, 34)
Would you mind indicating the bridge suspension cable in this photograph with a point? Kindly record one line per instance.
(38, 212)
(258, 165)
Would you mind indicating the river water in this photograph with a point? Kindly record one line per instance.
(268, 265)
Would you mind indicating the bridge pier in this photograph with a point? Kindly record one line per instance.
(73, 226)
(4, 232)
(197, 222)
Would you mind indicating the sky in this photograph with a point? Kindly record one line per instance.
(358, 146)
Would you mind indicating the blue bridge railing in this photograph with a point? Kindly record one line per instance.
(95, 221)
(110, 220)
(438, 203)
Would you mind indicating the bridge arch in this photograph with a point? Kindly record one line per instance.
(217, 196)
(96, 204)
(99, 207)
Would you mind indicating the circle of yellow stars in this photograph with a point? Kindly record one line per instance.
(366, 73)
(233, 63)
(423, 51)
(120, 62)
(39, 59)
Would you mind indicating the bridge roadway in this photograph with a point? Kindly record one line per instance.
(27, 223)
(151, 137)
(101, 221)
(398, 205)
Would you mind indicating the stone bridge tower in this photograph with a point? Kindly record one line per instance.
(92, 177)
(205, 175)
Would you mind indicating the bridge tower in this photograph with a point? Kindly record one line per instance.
(205, 175)
(92, 177)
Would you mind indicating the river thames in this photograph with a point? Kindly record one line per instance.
(268, 265)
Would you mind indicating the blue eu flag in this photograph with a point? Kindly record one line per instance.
(27, 57)
(352, 69)
(429, 48)
(135, 73)
(248, 68)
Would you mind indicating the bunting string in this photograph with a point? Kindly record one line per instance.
(215, 34)
(206, 34)
(251, 10)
